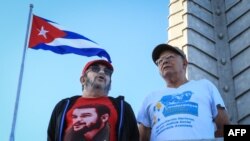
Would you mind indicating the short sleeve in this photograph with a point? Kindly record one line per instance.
(143, 114)
(216, 98)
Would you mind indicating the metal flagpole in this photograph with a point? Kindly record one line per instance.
(12, 134)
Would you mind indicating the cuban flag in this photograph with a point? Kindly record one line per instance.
(48, 35)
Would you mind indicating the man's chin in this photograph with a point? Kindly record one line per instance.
(100, 86)
(81, 131)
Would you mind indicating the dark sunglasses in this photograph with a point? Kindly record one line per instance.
(97, 69)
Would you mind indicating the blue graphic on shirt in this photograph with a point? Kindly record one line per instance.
(174, 99)
(177, 104)
(173, 105)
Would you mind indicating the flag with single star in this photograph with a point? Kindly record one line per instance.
(48, 35)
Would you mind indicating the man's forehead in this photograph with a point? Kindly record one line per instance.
(168, 52)
(85, 109)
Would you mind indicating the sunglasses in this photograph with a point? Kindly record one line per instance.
(97, 69)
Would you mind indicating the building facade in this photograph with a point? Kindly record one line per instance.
(215, 35)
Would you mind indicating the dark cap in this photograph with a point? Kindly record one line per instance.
(163, 47)
(94, 62)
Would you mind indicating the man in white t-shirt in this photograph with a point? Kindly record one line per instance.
(184, 110)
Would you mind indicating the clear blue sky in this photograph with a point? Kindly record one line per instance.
(127, 29)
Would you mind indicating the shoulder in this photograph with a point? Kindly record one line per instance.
(199, 81)
(202, 81)
(206, 84)
(154, 93)
(68, 99)
(116, 99)
(119, 100)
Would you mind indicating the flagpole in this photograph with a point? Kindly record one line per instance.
(12, 134)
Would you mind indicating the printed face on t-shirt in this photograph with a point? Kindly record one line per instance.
(85, 119)
(92, 119)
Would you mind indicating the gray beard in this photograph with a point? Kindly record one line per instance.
(94, 85)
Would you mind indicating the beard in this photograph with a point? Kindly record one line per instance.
(78, 135)
(90, 127)
(96, 85)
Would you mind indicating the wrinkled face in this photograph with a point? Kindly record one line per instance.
(98, 77)
(85, 119)
(170, 63)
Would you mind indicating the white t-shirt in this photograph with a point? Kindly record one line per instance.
(182, 113)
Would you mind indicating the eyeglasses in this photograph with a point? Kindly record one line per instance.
(164, 58)
(97, 69)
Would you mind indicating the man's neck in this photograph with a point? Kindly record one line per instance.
(175, 83)
(93, 93)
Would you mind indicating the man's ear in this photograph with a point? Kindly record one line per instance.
(105, 117)
(185, 63)
(82, 79)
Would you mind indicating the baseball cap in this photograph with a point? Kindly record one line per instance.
(93, 62)
(163, 47)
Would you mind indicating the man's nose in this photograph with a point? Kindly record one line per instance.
(165, 61)
(101, 71)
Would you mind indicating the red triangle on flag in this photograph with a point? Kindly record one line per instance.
(43, 32)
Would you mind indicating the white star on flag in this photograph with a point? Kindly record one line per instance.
(43, 32)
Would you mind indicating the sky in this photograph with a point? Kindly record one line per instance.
(127, 29)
